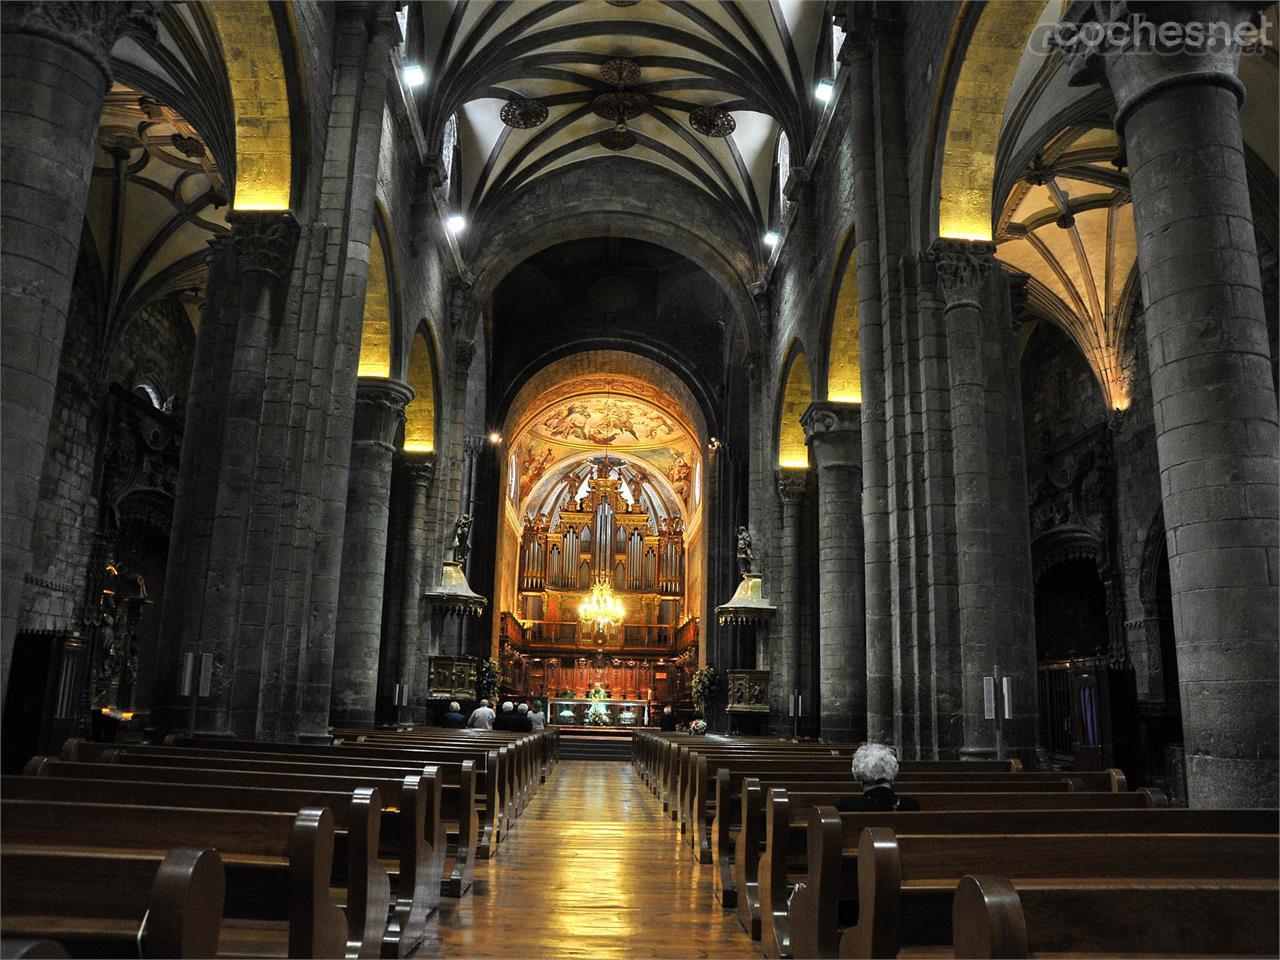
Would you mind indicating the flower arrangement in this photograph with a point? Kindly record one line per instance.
(704, 685)
(487, 679)
(698, 728)
(598, 715)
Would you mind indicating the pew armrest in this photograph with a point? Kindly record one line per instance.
(879, 896)
(317, 928)
(987, 918)
(184, 916)
(815, 905)
(368, 887)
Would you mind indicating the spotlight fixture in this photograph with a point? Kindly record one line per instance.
(825, 90)
(618, 138)
(771, 239)
(414, 75)
(495, 438)
(712, 121)
(521, 113)
(456, 223)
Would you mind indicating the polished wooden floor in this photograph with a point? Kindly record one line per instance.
(593, 869)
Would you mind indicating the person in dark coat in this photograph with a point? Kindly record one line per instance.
(523, 722)
(875, 766)
(506, 719)
(454, 719)
(667, 722)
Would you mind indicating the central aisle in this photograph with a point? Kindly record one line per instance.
(592, 869)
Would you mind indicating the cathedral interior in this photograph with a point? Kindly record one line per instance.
(836, 372)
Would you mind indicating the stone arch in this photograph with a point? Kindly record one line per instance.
(377, 334)
(969, 124)
(843, 353)
(795, 396)
(258, 76)
(420, 413)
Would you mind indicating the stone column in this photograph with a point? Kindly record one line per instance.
(788, 680)
(54, 73)
(1215, 406)
(962, 269)
(419, 469)
(835, 439)
(379, 414)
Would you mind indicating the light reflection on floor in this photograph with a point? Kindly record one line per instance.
(593, 869)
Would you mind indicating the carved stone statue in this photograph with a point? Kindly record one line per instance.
(746, 555)
(462, 538)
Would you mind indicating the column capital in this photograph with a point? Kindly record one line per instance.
(834, 433)
(962, 267)
(419, 467)
(90, 28)
(791, 485)
(264, 241)
(379, 411)
(1137, 48)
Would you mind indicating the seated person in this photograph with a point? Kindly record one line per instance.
(506, 720)
(875, 766)
(523, 723)
(667, 722)
(454, 719)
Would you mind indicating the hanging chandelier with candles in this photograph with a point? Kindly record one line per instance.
(602, 609)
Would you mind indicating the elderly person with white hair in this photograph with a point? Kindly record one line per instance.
(454, 720)
(506, 720)
(875, 766)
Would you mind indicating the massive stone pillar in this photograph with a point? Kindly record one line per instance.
(379, 413)
(1215, 406)
(875, 509)
(786, 658)
(54, 73)
(835, 440)
(419, 468)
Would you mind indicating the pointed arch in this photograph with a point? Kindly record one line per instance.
(260, 97)
(797, 394)
(844, 351)
(420, 414)
(377, 334)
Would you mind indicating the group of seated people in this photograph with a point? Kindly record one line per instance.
(512, 717)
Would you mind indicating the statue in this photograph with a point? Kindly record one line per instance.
(746, 556)
(462, 538)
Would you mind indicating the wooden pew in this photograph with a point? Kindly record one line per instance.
(411, 833)
(757, 834)
(1112, 918)
(903, 884)
(59, 895)
(279, 866)
(448, 763)
(389, 781)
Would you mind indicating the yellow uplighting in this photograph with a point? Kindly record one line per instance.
(260, 98)
(977, 115)
(375, 336)
(420, 414)
(844, 366)
(793, 452)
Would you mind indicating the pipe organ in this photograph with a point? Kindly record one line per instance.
(602, 533)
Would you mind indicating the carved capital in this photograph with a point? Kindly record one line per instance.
(419, 468)
(791, 485)
(962, 267)
(834, 433)
(379, 412)
(90, 28)
(264, 241)
(1137, 49)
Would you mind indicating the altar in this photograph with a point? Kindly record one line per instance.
(573, 711)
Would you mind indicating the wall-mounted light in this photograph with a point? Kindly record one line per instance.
(495, 438)
(771, 239)
(714, 443)
(456, 223)
(825, 90)
(413, 74)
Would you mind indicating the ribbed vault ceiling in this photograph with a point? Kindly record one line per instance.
(754, 58)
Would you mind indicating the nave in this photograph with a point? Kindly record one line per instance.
(594, 870)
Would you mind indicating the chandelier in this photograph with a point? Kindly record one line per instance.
(601, 609)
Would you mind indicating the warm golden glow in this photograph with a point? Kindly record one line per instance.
(375, 336)
(977, 115)
(420, 414)
(844, 363)
(793, 452)
(602, 609)
(260, 97)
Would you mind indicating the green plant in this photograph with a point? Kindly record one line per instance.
(487, 679)
(704, 684)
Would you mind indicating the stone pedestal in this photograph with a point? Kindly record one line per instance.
(1215, 406)
(54, 74)
(835, 441)
(380, 405)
